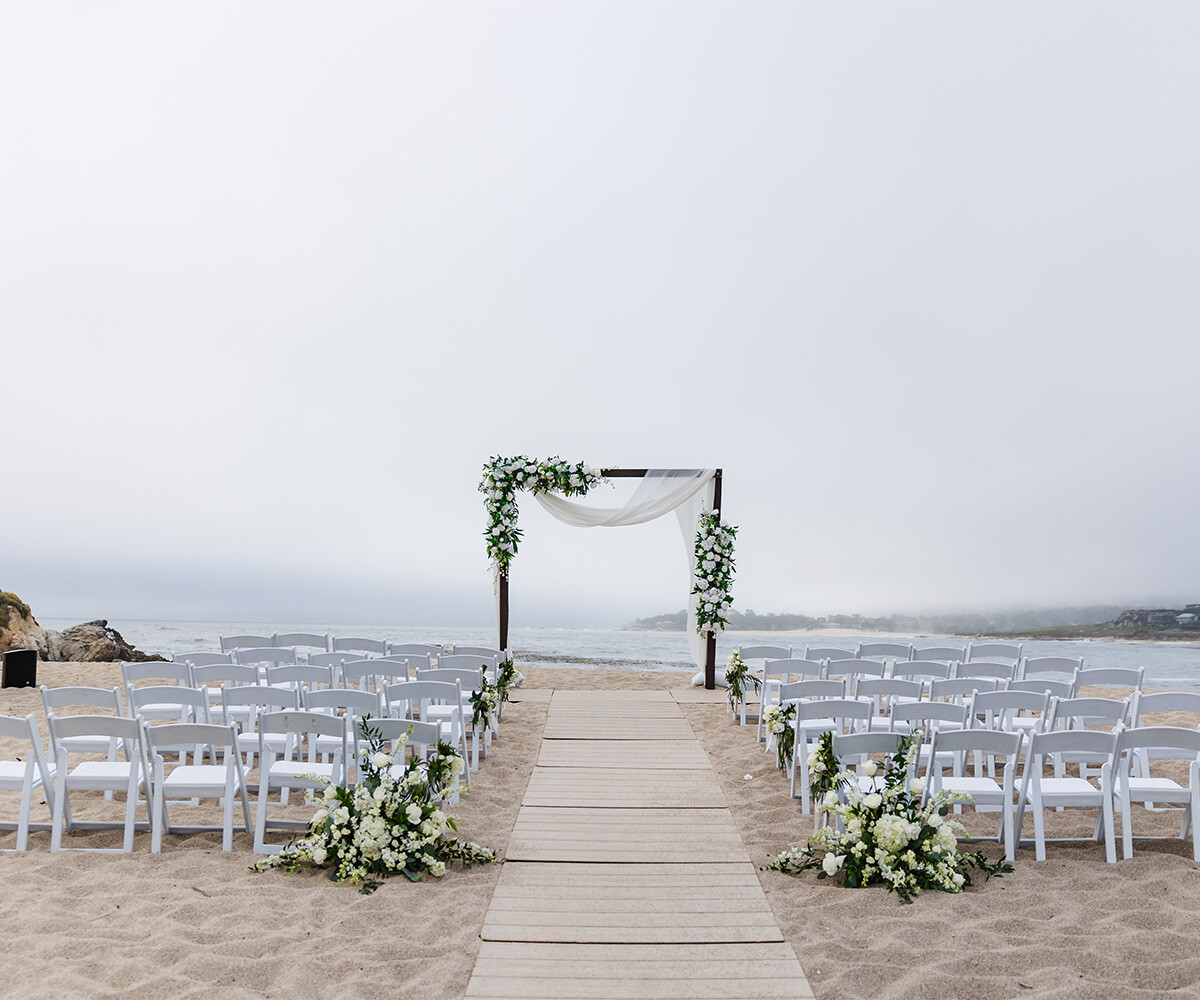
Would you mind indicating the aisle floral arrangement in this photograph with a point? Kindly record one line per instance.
(738, 681)
(888, 837)
(484, 701)
(507, 676)
(779, 722)
(713, 582)
(390, 823)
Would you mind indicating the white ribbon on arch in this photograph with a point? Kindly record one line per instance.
(687, 492)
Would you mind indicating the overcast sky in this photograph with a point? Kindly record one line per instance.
(276, 279)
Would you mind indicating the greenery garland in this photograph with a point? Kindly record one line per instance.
(507, 676)
(888, 836)
(713, 581)
(503, 477)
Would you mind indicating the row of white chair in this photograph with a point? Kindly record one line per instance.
(889, 650)
(1113, 752)
(329, 643)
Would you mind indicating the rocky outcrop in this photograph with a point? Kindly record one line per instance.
(91, 641)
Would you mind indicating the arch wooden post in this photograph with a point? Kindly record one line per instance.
(710, 650)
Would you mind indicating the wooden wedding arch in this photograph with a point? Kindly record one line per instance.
(710, 645)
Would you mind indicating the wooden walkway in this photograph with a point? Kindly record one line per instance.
(626, 877)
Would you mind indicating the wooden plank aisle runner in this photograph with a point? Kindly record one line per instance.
(626, 876)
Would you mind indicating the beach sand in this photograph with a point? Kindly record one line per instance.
(195, 922)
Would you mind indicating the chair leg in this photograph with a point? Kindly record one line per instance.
(157, 817)
(57, 818)
(227, 832)
(260, 823)
(1106, 795)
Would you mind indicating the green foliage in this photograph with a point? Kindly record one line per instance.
(13, 601)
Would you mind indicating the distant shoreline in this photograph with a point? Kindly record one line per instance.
(1068, 633)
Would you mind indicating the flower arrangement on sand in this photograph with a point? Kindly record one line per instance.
(778, 721)
(885, 835)
(389, 823)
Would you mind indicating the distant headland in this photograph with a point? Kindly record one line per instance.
(1097, 621)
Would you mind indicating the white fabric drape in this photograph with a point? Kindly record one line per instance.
(688, 492)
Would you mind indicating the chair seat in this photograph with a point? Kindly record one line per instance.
(12, 775)
(298, 770)
(191, 779)
(973, 786)
(1072, 791)
(1158, 790)
(101, 775)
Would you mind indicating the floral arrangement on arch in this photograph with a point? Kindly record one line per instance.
(888, 835)
(739, 680)
(503, 477)
(779, 721)
(389, 823)
(713, 582)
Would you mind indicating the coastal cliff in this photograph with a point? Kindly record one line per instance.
(91, 641)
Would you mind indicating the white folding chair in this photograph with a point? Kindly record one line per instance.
(1039, 792)
(881, 692)
(293, 768)
(439, 702)
(775, 674)
(202, 658)
(266, 656)
(921, 670)
(827, 715)
(1167, 742)
(430, 649)
(1129, 678)
(999, 671)
(24, 776)
(358, 644)
(74, 734)
(350, 705)
(884, 651)
(988, 794)
(231, 643)
(179, 674)
(316, 640)
(194, 781)
(947, 654)
(1010, 651)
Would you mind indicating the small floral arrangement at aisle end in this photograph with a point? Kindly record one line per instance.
(390, 823)
(508, 676)
(483, 705)
(713, 582)
(778, 721)
(503, 477)
(888, 836)
(738, 681)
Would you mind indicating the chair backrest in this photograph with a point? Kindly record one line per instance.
(951, 654)
(923, 669)
(912, 713)
(496, 654)
(1080, 713)
(266, 654)
(220, 674)
(302, 724)
(26, 731)
(828, 653)
(857, 744)
(180, 673)
(999, 708)
(202, 658)
(882, 689)
(1123, 677)
(314, 639)
(1161, 739)
(420, 737)
(807, 690)
(334, 660)
(469, 679)
(420, 693)
(994, 651)
(54, 699)
(840, 710)
(1088, 746)
(411, 661)
(358, 644)
(793, 667)
(231, 642)
(301, 675)
(259, 698)
(466, 662)
(351, 701)
(193, 700)
(1162, 701)
(765, 652)
(960, 689)
(855, 668)
(888, 650)
(105, 726)
(991, 742)
(1049, 665)
(985, 668)
(361, 673)
(430, 649)
(1055, 688)
(186, 736)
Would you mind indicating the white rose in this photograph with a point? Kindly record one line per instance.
(958, 880)
(872, 801)
(318, 855)
(413, 812)
(832, 862)
(869, 768)
(917, 786)
(831, 799)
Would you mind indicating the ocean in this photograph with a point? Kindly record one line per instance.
(1167, 664)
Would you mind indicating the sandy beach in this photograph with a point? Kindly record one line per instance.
(196, 922)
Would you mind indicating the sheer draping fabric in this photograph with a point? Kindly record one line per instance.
(688, 492)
